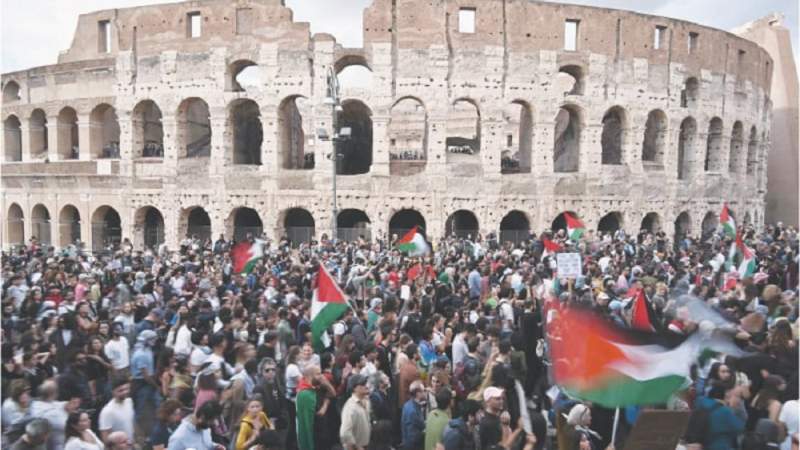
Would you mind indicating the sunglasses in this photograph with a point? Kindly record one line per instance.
(269, 369)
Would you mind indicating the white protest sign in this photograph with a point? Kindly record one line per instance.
(569, 265)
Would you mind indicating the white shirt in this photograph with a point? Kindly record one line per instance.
(183, 341)
(75, 443)
(789, 416)
(460, 349)
(117, 416)
(118, 351)
(198, 357)
(56, 415)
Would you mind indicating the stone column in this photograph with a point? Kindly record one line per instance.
(52, 138)
(380, 145)
(590, 160)
(542, 157)
(270, 145)
(491, 128)
(25, 141)
(172, 149)
(436, 150)
(220, 139)
(85, 127)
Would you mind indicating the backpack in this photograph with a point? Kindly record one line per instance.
(466, 376)
(699, 424)
(413, 326)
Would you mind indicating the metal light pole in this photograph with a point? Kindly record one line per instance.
(333, 100)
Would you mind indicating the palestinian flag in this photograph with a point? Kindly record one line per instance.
(640, 316)
(246, 254)
(551, 247)
(575, 227)
(748, 265)
(328, 304)
(414, 243)
(727, 222)
(593, 360)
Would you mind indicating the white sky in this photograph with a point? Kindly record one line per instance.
(32, 33)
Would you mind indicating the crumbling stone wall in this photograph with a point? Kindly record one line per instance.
(577, 120)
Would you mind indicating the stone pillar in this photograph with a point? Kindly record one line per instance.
(25, 141)
(491, 132)
(542, 157)
(591, 157)
(126, 150)
(632, 150)
(380, 145)
(219, 138)
(85, 127)
(52, 138)
(436, 151)
(172, 151)
(271, 144)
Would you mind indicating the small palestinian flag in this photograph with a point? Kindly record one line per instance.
(640, 316)
(727, 222)
(328, 304)
(414, 244)
(245, 255)
(551, 247)
(575, 227)
(748, 265)
(593, 360)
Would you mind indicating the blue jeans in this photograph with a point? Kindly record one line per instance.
(146, 398)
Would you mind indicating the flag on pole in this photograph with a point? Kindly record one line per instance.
(575, 227)
(727, 222)
(414, 243)
(328, 304)
(551, 247)
(246, 254)
(640, 316)
(595, 361)
(748, 265)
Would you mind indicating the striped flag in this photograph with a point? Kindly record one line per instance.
(727, 222)
(575, 227)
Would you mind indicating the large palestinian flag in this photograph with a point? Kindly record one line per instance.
(328, 304)
(245, 255)
(414, 243)
(575, 227)
(596, 361)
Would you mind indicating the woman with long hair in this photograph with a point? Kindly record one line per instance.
(169, 417)
(206, 387)
(98, 370)
(79, 434)
(252, 422)
(766, 403)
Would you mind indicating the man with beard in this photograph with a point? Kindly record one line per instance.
(195, 430)
(272, 395)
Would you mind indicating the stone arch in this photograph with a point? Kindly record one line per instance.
(463, 138)
(298, 225)
(515, 227)
(655, 137)
(244, 123)
(709, 224)
(736, 148)
(518, 132)
(572, 77)
(463, 224)
(408, 133)
(40, 224)
(239, 75)
(690, 94)
(69, 225)
(560, 221)
(244, 223)
(353, 72)
(292, 135)
(12, 139)
(352, 224)
(683, 225)
(194, 128)
(37, 133)
(752, 151)
(651, 222)
(611, 222)
(566, 147)
(195, 221)
(686, 148)
(714, 146)
(68, 144)
(615, 128)
(404, 220)
(356, 151)
(106, 228)
(104, 132)
(11, 92)
(149, 226)
(15, 224)
(148, 130)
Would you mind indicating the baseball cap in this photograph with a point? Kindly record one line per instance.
(492, 392)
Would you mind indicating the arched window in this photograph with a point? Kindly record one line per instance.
(12, 139)
(298, 224)
(462, 224)
(246, 223)
(106, 228)
(149, 227)
(353, 75)
(683, 226)
(245, 122)
(714, 146)
(40, 224)
(104, 136)
(610, 223)
(196, 222)
(148, 130)
(403, 221)
(69, 225)
(560, 221)
(242, 74)
(613, 137)
(569, 80)
(516, 155)
(752, 151)
(355, 151)
(292, 134)
(736, 156)
(709, 225)
(68, 145)
(408, 130)
(37, 134)
(353, 224)
(463, 131)
(651, 222)
(11, 92)
(15, 223)
(515, 227)
(690, 93)
(686, 148)
(655, 136)
(194, 128)
(566, 150)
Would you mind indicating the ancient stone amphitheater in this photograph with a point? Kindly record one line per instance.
(481, 116)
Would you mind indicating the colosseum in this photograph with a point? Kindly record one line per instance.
(482, 116)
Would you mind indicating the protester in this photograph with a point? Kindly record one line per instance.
(194, 432)
(79, 433)
(356, 416)
(35, 436)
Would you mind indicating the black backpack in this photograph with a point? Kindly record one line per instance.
(413, 326)
(699, 424)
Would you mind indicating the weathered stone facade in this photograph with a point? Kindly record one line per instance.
(154, 118)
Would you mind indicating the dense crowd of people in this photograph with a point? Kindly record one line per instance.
(171, 349)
